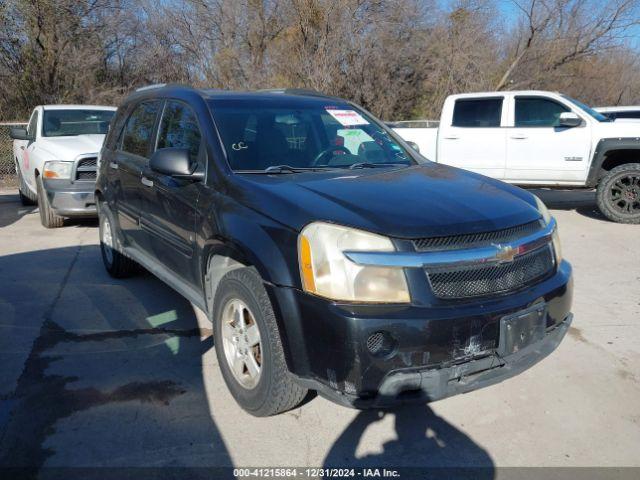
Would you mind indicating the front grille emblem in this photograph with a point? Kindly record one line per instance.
(506, 254)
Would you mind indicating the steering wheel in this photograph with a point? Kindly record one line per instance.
(326, 151)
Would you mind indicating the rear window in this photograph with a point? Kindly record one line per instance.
(479, 112)
(66, 123)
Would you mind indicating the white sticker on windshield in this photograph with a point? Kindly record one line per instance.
(347, 118)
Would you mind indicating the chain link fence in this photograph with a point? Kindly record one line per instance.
(7, 166)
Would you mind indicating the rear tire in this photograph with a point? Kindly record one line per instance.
(48, 217)
(272, 390)
(116, 264)
(618, 194)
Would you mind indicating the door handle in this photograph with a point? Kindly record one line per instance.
(453, 137)
(146, 182)
(21, 147)
(113, 165)
(519, 137)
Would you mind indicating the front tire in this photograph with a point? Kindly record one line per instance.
(618, 194)
(249, 348)
(48, 217)
(116, 264)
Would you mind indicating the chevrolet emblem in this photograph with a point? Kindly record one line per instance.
(506, 254)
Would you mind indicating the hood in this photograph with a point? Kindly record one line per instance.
(405, 202)
(618, 129)
(68, 148)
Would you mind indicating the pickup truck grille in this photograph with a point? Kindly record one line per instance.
(482, 280)
(87, 169)
(475, 240)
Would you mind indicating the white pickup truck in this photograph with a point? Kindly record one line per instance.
(56, 159)
(539, 138)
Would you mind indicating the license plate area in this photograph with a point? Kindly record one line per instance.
(522, 329)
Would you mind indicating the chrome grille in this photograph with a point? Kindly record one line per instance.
(474, 240)
(481, 280)
(87, 169)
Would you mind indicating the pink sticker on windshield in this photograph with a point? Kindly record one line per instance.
(347, 118)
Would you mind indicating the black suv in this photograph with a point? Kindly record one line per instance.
(328, 254)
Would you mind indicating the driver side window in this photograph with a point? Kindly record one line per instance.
(538, 112)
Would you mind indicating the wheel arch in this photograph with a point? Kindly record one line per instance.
(611, 153)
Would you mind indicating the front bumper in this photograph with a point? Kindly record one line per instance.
(440, 349)
(71, 199)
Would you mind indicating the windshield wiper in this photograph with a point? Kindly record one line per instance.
(374, 165)
(290, 169)
(282, 169)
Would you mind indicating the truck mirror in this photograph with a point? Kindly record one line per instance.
(20, 134)
(569, 119)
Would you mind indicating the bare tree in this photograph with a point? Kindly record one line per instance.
(556, 33)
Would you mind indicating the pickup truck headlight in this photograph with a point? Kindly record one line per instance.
(57, 169)
(327, 272)
(546, 216)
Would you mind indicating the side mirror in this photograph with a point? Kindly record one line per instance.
(175, 162)
(413, 145)
(569, 119)
(20, 134)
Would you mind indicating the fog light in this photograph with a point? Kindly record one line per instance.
(381, 344)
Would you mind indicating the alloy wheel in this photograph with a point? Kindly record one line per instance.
(241, 343)
(624, 194)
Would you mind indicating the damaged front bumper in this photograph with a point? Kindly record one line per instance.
(435, 384)
(436, 350)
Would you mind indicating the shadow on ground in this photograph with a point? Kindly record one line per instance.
(582, 201)
(11, 211)
(108, 372)
(107, 375)
(423, 439)
(9, 214)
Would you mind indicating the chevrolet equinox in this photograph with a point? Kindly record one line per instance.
(329, 255)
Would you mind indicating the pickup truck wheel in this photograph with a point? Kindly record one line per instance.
(48, 218)
(618, 194)
(118, 265)
(249, 348)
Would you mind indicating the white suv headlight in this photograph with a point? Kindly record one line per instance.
(546, 216)
(327, 272)
(57, 169)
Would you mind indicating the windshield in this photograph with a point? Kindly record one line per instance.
(597, 115)
(64, 123)
(302, 134)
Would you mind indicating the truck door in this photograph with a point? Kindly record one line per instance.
(474, 139)
(539, 151)
(23, 150)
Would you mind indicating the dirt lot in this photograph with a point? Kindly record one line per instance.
(100, 372)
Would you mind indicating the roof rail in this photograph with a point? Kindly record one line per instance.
(150, 87)
(295, 91)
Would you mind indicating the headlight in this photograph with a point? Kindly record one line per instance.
(57, 169)
(544, 211)
(327, 272)
(546, 216)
